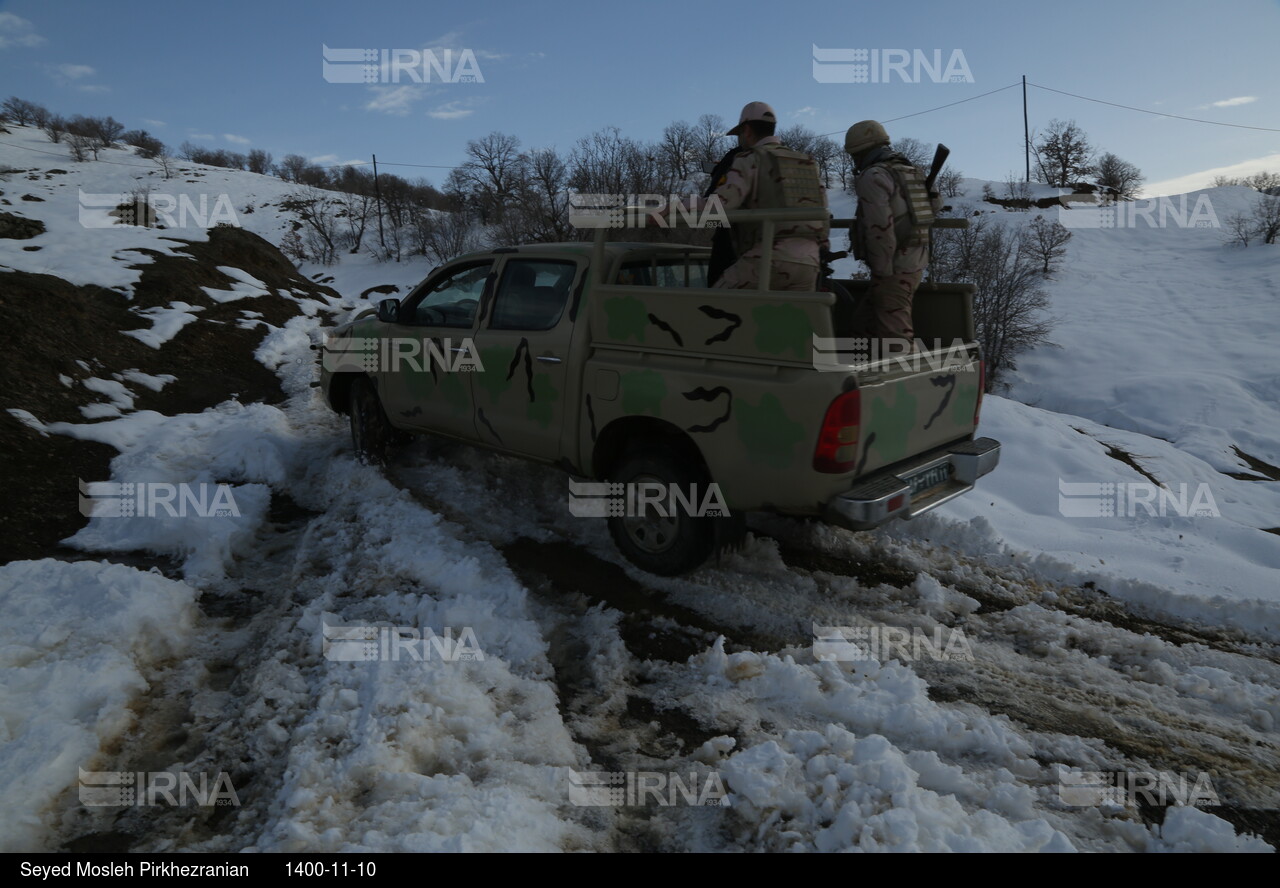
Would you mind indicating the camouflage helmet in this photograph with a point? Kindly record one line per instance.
(864, 135)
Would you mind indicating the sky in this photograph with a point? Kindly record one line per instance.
(241, 75)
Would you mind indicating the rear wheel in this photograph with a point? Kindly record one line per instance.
(371, 432)
(663, 538)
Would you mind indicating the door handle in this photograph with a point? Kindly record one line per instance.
(549, 359)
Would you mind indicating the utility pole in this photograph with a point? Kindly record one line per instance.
(1026, 132)
(378, 192)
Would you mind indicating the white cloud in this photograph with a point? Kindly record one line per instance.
(237, 140)
(807, 111)
(1203, 179)
(395, 99)
(17, 31)
(154, 123)
(451, 111)
(1238, 100)
(202, 136)
(75, 72)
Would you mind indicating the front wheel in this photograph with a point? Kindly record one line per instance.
(656, 530)
(371, 432)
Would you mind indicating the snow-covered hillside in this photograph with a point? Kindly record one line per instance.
(1138, 644)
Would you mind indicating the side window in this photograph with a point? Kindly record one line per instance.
(532, 294)
(451, 300)
(664, 273)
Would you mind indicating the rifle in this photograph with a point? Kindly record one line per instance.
(939, 158)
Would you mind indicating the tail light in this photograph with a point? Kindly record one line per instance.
(837, 450)
(982, 386)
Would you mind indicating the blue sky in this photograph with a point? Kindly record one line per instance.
(247, 75)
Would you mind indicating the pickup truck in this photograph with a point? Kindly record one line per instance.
(615, 362)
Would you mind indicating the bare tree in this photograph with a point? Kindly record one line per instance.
(1015, 189)
(1266, 217)
(1241, 228)
(1046, 242)
(82, 146)
(24, 113)
(164, 161)
(491, 172)
(148, 145)
(949, 181)
(710, 142)
(919, 154)
(291, 167)
(1265, 182)
(316, 210)
(1010, 305)
(1063, 154)
(678, 150)
(259, 161)
(826, 154)
(55, 128)
(1120, 175)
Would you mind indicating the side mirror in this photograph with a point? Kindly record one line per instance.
(389, 311)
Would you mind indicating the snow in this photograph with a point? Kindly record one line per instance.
(822, 755)
(165, 323)
(76, 646)
(244, 286)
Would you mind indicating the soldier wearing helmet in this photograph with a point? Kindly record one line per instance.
(890, 233)
(767, 174)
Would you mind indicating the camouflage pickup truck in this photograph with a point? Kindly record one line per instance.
(615, 362)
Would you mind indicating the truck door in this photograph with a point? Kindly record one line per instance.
(523, 343)
(427, 360)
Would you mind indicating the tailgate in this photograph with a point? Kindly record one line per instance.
(915, 404)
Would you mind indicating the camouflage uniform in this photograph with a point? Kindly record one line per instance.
(896, 269)
(795, 246)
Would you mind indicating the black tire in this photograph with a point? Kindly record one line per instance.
(372, 434)
(669, 545)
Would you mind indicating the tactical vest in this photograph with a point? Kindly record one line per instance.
(785, 179)
(914, 227)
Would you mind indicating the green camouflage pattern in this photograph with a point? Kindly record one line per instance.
(732, 370)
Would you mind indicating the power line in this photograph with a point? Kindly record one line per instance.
(940, 107)
(1157, 113)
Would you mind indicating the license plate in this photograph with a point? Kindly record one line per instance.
(932, 477)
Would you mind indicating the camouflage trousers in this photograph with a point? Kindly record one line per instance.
(783, 275)
(885, 311)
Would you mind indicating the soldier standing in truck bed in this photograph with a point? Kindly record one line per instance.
(767, 175)
(890, 233)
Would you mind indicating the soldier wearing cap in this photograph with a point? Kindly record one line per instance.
(767, 174)
(890, 233)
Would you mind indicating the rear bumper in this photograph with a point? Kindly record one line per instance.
(889, 495)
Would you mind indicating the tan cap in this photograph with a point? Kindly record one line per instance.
(754, 111)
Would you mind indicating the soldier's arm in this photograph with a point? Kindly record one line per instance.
(875, 189)
(738, 185)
